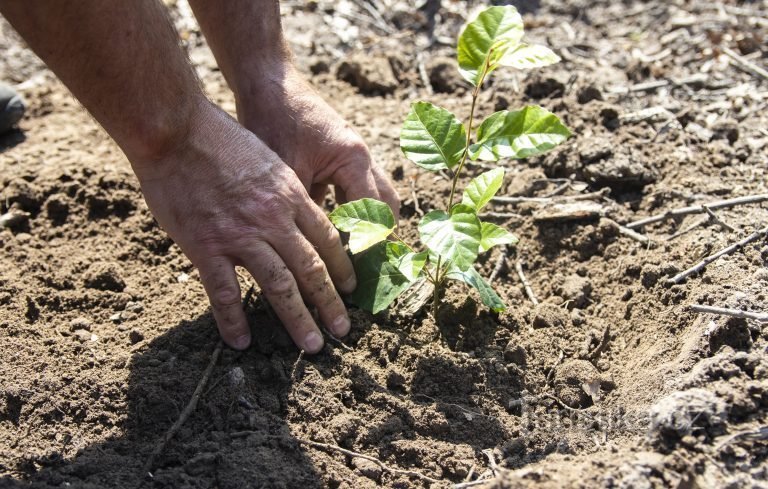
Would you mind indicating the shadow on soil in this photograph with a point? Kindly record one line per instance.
(11, 138)
(237, 437)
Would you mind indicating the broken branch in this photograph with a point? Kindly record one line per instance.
(725, 251)
(736, 313)
(698, 209)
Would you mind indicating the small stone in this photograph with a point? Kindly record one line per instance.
(236, 377)
(128, 315)
(515, 353)
(116, 317)
(82, 335)
(701, 132)
(80, 323)
(182, 278)
(104, 276)
(369, 469)
(135, 336)
(134, 306)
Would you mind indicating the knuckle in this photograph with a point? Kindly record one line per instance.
(315, 269)
(281, 285)
(331, 239)
(224, 297)
(272, 204)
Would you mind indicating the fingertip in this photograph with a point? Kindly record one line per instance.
(241, 342)
(341, 325)
(349, 285)
(313, 342)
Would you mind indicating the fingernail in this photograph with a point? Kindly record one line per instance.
(242, 342)
(313, 342)
(341, 325)
(349, 285)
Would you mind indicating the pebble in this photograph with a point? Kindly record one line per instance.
(135, 336)
(80, 323)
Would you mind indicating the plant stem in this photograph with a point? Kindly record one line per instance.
(465, 154)
(436, 292)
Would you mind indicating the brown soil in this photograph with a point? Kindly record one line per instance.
(611, 381)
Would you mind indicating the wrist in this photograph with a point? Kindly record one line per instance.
(151, 143)
(264, 82)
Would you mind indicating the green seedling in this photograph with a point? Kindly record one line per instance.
(434, 139)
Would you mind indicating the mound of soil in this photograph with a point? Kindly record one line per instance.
(610, 381)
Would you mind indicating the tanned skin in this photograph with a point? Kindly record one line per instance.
(228, 193)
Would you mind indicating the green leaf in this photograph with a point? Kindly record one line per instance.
(482, 188)
(432, 137)
(378, 281)
(518, 134)
(472, 278)
(407, 262)
(493, 235)
(526, 56)
(368, 221)
(486, 39)
(455, 237)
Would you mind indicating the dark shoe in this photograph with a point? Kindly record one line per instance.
(11, 108)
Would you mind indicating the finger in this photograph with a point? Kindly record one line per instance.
(387, 191)
(280, 289)
(220, 282)
(356, 181)
(315, 283)
(326, 240)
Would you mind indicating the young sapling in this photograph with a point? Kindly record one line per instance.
(434, 139)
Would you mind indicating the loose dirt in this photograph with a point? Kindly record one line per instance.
(611, 381)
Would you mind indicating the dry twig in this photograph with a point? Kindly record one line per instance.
(698, 209)
(600, 348)
(526, 284)
(500, 261)
(188, 410)
(640, 238)
(553, 198)
(192, 404)
(737, 313)
(744, 63)
(725, 251)
(713, 217)
(385, 467)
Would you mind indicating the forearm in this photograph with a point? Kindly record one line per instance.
(246, 38)
(122, 60)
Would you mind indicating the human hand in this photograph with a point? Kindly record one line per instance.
(228, 200)
(285, 112)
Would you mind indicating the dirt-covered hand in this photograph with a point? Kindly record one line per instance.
(228, 200)
(292, 119)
